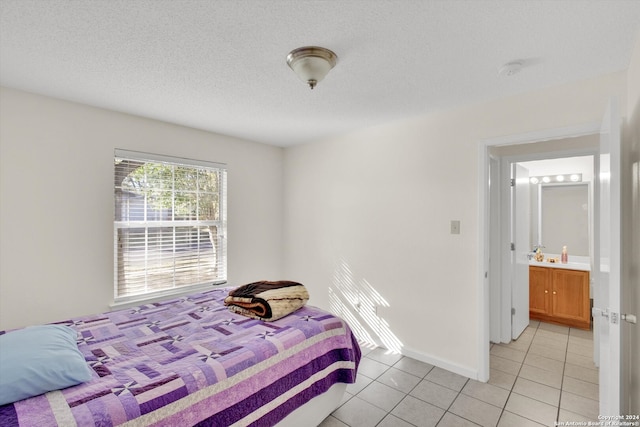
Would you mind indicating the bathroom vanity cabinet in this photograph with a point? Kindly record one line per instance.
(559, 295)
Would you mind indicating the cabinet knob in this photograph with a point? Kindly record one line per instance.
(554, 292)
(546, 291)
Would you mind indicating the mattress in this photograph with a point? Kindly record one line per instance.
(192, 362)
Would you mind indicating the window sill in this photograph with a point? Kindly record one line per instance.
(134, 301)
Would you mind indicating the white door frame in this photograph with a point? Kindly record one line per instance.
(608, 263)
(484, 229)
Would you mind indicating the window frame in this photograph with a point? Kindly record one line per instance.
(220, 223)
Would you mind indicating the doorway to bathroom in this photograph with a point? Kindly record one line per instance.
(544, 201)
(546, 144)
(546, 365)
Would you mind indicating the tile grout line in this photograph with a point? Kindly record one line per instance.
(564, 367)
(405, 394)
(423, 378)
(451, 404)
(409, 394)
(517, 376)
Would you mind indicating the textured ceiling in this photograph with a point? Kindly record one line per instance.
(221, 65)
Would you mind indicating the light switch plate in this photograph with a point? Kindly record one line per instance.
(455, 226)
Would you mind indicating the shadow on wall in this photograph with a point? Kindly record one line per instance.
(357, 302)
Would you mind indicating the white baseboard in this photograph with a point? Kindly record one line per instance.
(465, 371)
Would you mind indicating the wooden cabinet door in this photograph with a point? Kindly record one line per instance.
(539, 290)
(570, 297)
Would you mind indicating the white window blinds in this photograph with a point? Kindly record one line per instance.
(170, 224)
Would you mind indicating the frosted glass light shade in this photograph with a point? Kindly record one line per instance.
(311, 63)
(574, 177)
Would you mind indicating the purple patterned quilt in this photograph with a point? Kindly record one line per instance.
(190, 361)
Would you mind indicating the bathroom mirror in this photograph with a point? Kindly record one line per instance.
(563, 218)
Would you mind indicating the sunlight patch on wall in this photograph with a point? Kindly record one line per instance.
(357, 302)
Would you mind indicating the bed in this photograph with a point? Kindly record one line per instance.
(192, 362)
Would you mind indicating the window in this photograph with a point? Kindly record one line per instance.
(170, 224)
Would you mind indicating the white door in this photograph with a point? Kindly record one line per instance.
(521, 223)
(494, 248)
(606, 312)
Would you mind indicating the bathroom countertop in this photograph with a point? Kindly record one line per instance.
(575, 263)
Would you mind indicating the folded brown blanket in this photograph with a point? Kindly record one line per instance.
(267, 300)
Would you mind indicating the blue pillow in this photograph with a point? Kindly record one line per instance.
(39, 359)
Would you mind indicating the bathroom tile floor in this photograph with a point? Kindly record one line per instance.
(547, 375)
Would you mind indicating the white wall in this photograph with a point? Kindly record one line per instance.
(371, 211)
(56, 203)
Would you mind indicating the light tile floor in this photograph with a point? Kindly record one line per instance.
(547, 375)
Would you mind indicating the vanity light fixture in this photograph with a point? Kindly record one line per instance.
(311, 63)
(546, 179)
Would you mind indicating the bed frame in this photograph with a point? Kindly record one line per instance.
(317, 409)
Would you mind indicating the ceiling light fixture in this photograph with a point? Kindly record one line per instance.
(311, 63)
